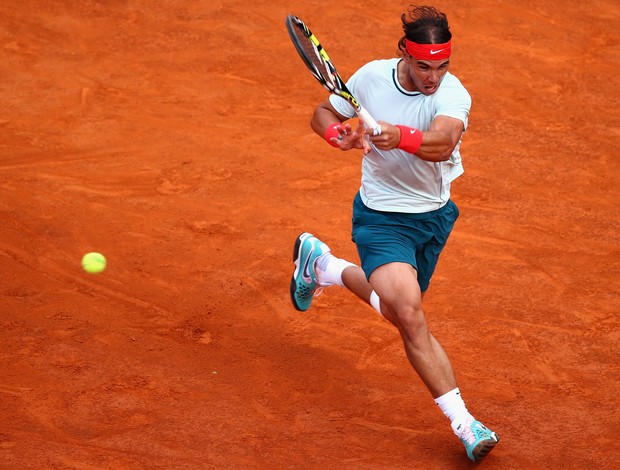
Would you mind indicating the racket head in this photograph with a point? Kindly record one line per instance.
(316, 59)
(319, 63)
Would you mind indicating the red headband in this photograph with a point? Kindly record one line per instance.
(428, 51)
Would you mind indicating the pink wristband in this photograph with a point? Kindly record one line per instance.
(332, 131)
(410, 139)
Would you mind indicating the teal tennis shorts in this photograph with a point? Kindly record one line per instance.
(416, 239)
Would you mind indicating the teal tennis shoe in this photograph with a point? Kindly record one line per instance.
(304, 282)
(477, 439)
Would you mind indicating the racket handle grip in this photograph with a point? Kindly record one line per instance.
(369, 121)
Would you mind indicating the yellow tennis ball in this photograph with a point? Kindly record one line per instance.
(93, 263)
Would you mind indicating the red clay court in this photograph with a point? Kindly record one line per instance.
(174, 138)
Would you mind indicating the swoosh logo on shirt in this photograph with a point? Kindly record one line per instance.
(435, 52)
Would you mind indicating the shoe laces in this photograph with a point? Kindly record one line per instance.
(473, 431)
(467, 434)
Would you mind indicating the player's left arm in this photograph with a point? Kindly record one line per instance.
(439, 140)
(437, 143)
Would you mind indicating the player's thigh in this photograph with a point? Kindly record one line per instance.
(397, 286)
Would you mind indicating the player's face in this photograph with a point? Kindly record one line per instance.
(426, 75)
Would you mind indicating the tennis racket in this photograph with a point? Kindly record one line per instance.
(319, 63)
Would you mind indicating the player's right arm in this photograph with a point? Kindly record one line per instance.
(325, 116)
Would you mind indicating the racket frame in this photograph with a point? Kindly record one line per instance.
(333, 82)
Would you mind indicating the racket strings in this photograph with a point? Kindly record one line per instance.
(322, 68)
(314, 53)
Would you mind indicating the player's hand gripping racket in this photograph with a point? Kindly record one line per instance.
(323, 69)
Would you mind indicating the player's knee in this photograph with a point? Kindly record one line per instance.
(409, 317)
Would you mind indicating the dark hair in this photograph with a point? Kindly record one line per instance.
(424, 25)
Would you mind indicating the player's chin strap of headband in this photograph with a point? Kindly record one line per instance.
(428, 51)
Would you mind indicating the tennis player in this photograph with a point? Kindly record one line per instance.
(402, 214)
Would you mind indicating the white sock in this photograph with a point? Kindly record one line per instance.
(454, 408)
(375, 302)
(329, 269)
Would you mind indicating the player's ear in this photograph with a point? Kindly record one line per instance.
(403, 51)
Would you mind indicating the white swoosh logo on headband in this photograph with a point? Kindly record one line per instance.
(435, 52)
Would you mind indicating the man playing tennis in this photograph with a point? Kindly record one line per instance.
(402, 214)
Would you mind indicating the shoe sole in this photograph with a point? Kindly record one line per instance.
(483, 448)
(293, 287)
